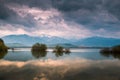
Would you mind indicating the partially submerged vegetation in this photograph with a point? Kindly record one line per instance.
(67, 50)
(115, 49)
(39, 50)
(114, 52)
(39, 54)
(59, 50)
(3, 47)
(39, 47)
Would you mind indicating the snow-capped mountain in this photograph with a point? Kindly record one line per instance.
(30, 40)
(53, 40)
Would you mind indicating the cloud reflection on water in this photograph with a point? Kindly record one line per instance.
(79, 69)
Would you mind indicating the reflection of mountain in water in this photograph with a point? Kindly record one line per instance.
(39, 54)
(115, 55)
(2, 54)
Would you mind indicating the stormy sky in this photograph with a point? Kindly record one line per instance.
(63, 18)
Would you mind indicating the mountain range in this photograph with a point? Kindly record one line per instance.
(98, 42)
(26, 40)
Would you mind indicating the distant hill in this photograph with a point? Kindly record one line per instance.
(65, 45)
(30, 40)
(97, 41)
(51, 41)
(16, 45)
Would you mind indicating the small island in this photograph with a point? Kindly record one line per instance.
(3, 47)
(114, 49)
(60, 51)
(39, 47)
(40, 50)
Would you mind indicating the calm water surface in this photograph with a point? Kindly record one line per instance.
(26, 54)
(80, 64)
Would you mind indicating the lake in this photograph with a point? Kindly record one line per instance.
(25, 54)
(80, 64)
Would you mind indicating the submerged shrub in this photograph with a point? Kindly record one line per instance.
(114, 52)
(3, 47)
(39, 47)
(67, 51)
(39, 54)
(59, 51)
(105, 50)
(115, 49)
(39, 50)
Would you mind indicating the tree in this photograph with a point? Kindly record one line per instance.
(39, 47)
(39, 50)
(67, 51)
(3, 47)
(114, 51)
(59, 51)
(105, 50)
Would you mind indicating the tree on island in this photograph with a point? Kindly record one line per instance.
(39, 47)
(59, 50)
(39, 50)
(114, 51)
(67, 51)
(3, 47)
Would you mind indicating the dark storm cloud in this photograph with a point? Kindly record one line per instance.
(68, 7)
(11, 16)
(92, 14)
(113, 7)
(73, 5)
(91, 5)
(44, 4)
(5, 12)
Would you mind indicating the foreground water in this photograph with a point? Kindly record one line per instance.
(80, 64)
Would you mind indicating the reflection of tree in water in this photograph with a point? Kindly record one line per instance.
(113, 51)
(57, 54)
(60, 51)
(2, 54)
(39, 50)
(38, 54)
(115, 55)
(3, 49)
(67, 51)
